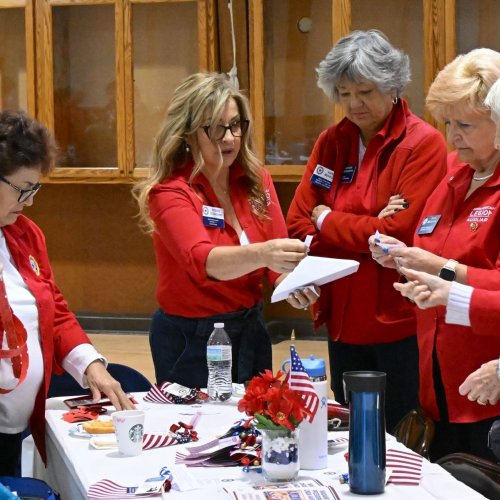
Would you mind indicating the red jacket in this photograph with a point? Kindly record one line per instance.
(484, 313)
(60, 332)
(469, 232)
(407, 156)
(182, 243)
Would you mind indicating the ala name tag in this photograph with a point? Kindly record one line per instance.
(428, 224)
(322, 177)
(213, 216)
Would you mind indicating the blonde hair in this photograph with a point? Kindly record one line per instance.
(464, 82)
(493, 98)
(199, 99)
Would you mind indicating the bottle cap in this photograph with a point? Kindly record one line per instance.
(315, 367)
(218, 325)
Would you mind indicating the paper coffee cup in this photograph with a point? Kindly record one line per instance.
(129, 429)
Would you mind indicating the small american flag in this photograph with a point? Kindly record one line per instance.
(299, 381)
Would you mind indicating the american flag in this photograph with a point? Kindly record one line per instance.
(299, 381)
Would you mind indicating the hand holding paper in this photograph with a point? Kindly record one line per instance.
(314, 271)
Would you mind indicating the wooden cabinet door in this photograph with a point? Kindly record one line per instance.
(17, 70)
(288, 40)
(80, 62)
(165, 41)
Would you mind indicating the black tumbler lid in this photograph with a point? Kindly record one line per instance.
(364, 381)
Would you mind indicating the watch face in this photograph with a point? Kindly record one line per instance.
(447, 274)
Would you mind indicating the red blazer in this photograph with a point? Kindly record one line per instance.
(407, 156)
(485, 313)
(60, 332)
(469, 232)
(182, 243)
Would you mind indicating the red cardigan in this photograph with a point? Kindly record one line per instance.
(182, 243)
(407, 156)
(469, 232)
(60, 332)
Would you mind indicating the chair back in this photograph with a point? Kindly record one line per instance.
(477, 473)
(416, 431)
(29, 488)
(130, 379)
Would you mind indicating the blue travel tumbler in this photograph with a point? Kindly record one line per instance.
(365, 391)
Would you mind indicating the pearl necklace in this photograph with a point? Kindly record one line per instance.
(474, 178)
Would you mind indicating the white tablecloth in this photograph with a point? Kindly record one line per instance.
(73, 466)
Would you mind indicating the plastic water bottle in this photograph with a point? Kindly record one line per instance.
(219, 360)
(313, 437)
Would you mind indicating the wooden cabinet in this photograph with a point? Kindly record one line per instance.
(106, 71)
(17, 65)
(289, 38)
(101, 72)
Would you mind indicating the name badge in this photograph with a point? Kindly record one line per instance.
(322, 177)
(213, 216)
(428, 224)
(348, 174)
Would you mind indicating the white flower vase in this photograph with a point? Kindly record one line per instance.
(280, 454)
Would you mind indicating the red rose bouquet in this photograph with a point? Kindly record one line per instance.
(272, 403)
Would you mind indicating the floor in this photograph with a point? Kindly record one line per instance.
(133, 350)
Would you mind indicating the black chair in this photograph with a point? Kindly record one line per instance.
(416, 431)
(477, 473)
(130, 379)
(29, 488)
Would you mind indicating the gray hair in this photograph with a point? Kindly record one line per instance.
(493, 98)
(364, 55)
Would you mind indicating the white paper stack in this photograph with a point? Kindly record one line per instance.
(314, 271)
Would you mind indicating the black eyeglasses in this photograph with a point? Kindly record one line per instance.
(217, 133)
(24, 194)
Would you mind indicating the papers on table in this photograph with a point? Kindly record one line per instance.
(314, 271)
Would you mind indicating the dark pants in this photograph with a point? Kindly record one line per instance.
(10, 453)
(179, 346)
(461, 438)
(399, 360)
(452, 437)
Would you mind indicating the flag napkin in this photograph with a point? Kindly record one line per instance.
(168, 392)
(108, 489)
(105, 488)
(406, 467)
(179, 433)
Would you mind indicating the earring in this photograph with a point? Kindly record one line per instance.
(395, 100)
(186, 147)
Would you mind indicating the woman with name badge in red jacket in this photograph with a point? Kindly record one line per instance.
(458, 238)
(217, 229)
(40, 335)
(468, 306)
(371, 171)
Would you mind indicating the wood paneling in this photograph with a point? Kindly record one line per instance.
(101, 260)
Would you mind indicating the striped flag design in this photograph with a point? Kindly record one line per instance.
(108, 489)
(406, 467)
(299, 381)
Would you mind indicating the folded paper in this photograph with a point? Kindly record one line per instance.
(314, 271)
